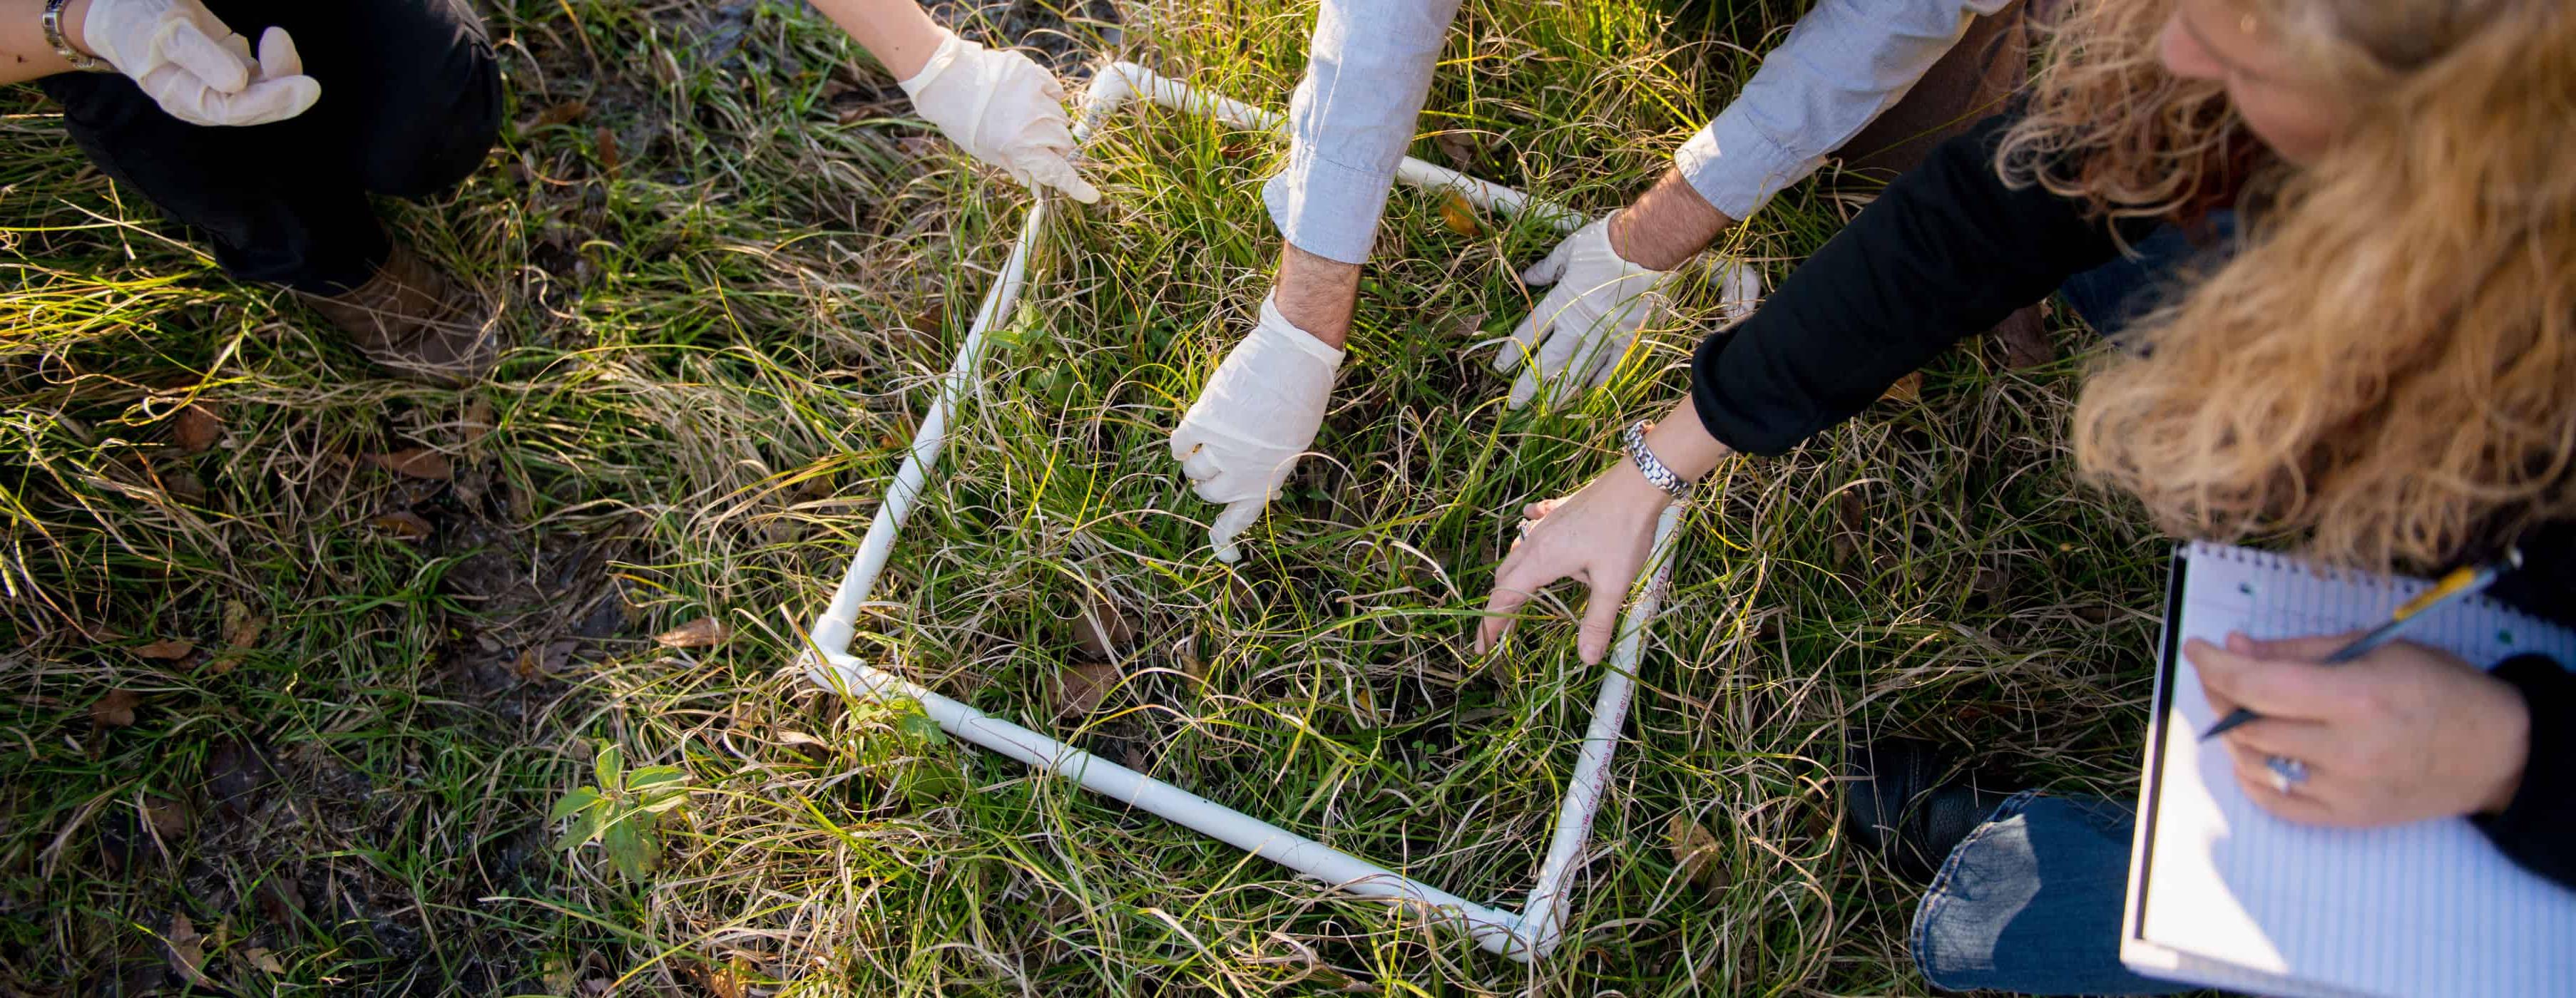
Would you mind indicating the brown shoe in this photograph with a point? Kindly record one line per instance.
(414, 321)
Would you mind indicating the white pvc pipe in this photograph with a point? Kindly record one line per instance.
(827, 663)
(1494, 930)
(1483, 194)
(1542, 920)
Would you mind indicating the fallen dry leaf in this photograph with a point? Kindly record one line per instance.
(607, 142)
(732, 980)
(1458, 215)
(169, 818)
(535, 661)
(1459, 148)
(478, 420)
(563, 113)
(187, 951)
(197, 428)
(1085, 685)
(2024, 338)
(184, 486)
(1103, 632)
(264, 960)
(115, 710)
(1466, 326)
(166, 649)
(1695, 852)
(404, 524)
(1906, 391)
(557, 976)
(280, 901)
(415, 462)
(697, 633)
(242, 628)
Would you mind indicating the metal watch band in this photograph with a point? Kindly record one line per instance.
(1653, 467)
(53, 22)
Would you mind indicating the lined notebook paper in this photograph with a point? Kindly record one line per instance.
(2222, 893)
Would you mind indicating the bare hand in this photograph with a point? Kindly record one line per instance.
(1599, 536)
(2403, 734)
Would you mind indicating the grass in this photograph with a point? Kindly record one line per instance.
(732, 279)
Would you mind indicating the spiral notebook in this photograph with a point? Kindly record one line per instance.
(2221, 893)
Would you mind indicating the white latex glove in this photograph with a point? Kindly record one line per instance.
(1002, 108)
(1256, 416)
(1577, 334)
(196, 68)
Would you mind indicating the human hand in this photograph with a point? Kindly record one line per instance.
(1255, 418)
(2402, 734)
(1003, 109)
(1585, 324)
(1599, 536)
(195, 67)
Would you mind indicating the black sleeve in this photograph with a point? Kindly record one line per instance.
(1946, 252)
(2538, 830)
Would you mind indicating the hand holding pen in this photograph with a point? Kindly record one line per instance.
(2460, 584)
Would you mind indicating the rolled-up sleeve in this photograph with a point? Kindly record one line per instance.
(1842, 65)
(1351, 120)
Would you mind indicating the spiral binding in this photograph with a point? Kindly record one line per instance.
(2401, 587)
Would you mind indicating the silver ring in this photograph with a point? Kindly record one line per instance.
(2287, 773)
(1526, 525)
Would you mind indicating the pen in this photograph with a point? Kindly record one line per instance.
(2462, 581)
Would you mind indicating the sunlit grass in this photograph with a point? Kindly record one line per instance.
(722, 343)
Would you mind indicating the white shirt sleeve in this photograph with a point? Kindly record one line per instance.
(1352, 119)
(1842, 65)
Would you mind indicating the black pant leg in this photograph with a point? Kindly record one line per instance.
(410, 104)
(414, 100)
(271, 213)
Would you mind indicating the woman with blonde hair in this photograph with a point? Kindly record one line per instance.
(2369, 341)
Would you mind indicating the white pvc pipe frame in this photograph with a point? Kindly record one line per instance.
(1526, 935)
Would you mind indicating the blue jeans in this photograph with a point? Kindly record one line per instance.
(2111, 296)
(2030, 902)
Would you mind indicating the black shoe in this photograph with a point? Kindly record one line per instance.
(1896, 805)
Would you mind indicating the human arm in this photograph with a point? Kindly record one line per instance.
(1947, 251)
(898, 33)
(1844, 63)
(1942, 253)
(2406, 733)
(1349, 123)
(188, 61)
(1840, 68)
(30, 56)
(1600, 536)
(1000, 106)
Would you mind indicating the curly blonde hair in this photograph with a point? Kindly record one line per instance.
(2388, 363)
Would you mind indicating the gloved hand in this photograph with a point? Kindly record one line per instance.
(1003, 109)
(1254, 419)
(197, 69)
(1577, 333)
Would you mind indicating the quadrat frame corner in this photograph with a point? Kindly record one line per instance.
(1526, 935)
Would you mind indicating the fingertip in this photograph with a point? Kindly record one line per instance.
(278, 58)
(2238, 643)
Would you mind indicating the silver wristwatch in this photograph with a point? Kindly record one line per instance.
(53, 22)
(1646, 461)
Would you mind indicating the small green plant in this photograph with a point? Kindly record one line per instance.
(624, 811)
